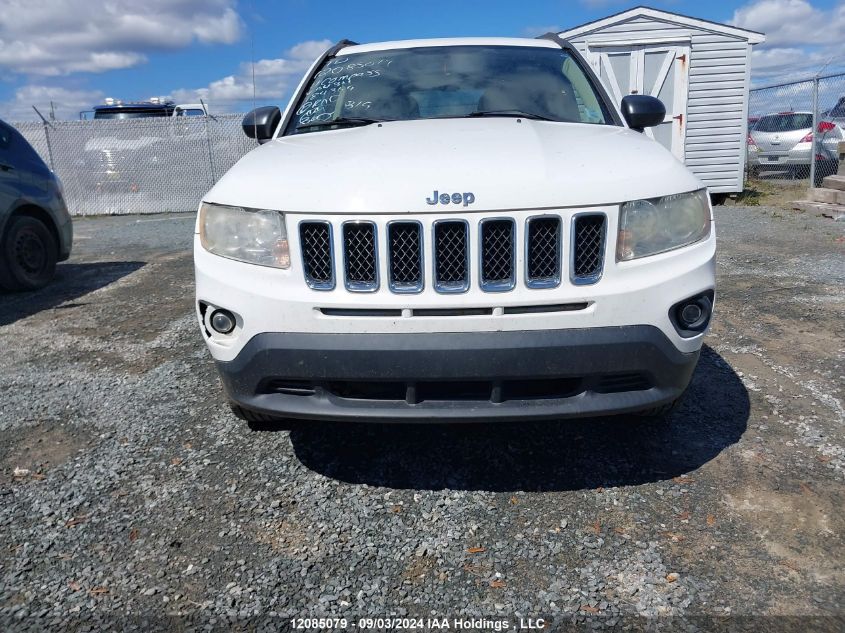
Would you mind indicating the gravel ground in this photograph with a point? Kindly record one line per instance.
(131, 498)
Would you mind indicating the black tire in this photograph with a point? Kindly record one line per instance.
(825, 168)
(261, 421)
(28, 254)
(800, 172)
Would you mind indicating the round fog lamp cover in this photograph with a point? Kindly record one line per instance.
(691, 313)
(222, 321)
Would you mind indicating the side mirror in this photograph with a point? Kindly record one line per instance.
(261, 123)
(642, 111)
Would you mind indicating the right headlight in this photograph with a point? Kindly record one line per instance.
(254, 236)
(657, 225)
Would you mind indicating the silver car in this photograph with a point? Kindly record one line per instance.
(784, 141)
(35, 228)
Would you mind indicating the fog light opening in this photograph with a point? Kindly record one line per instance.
(691, 316)
(222, 321)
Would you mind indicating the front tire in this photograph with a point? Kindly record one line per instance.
(28, 254)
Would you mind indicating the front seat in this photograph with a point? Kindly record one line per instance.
(534, 92)
(384, 102)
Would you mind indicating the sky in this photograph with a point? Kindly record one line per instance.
(74, 53)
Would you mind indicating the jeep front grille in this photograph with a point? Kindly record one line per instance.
(542, 252)
(315, 241)
(588, 232)
(498, 255)
(407, 249)
(404, 256)
(451, 256)
(360, 258)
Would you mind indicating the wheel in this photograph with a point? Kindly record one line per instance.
(28, 254)
(800, 172)
(261, 421)
(825, 168)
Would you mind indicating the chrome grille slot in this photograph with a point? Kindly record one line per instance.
(558, 307)
(315, 242)
(498, 264)
(543, 252)
(405, 260)
(360, 259)
(408, 246)
(588, 233)
(451, 256)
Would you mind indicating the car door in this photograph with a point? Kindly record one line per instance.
(9, 177)
(659, 70)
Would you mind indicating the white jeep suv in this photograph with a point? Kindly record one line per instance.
(456, 229)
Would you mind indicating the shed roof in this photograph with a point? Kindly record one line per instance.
(752, 37)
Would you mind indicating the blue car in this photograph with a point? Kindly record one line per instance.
(36, 231)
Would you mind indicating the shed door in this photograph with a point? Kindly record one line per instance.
(659, 70)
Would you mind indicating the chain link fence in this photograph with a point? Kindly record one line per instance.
(150, 165)
(783, 150)
(159, 165)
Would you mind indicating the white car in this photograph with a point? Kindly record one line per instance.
(786, 141)
(454, 229)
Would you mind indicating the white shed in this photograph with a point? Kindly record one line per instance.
(700, 70)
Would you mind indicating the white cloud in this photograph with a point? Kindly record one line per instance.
(801, 39)
(273, 77)
(57, 37)
(792, 22)
(67, 102)
(785, 64)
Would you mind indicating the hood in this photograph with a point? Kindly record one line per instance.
(504, 163)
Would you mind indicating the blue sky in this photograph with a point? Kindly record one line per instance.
(76, 52)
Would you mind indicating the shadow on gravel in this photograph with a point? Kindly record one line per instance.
(71, 282)
(537, 456)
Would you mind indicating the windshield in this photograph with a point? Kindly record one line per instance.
(449, 81)
(784, 122)
(127, 113)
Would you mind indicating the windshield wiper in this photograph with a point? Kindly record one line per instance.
(340, 121)
(512, 113)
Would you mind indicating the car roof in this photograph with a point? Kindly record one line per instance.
(450, 41)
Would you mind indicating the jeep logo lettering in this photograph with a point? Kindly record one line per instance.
(454, 198)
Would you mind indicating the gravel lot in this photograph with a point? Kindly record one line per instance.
(131, 497)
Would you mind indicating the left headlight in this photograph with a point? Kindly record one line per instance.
(657, 225)
(255, 236)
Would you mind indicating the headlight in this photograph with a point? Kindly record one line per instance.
(254, 236)
(648, 227)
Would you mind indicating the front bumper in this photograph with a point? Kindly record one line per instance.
(471, 376)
